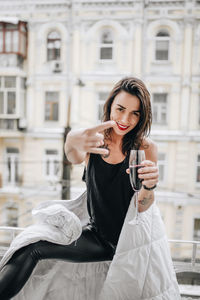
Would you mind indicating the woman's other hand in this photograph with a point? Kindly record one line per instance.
(148, 173)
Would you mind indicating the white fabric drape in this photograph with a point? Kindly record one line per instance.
(142, 266)
(141, 269)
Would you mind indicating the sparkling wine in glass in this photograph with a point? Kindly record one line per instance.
(135, 159)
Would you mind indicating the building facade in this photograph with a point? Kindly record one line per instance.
(58, 62)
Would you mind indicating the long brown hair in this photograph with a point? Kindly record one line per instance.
(136, 87)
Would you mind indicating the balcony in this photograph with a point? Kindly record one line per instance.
(13, 124)
(8, 124)
(14, 38)
(188, 272)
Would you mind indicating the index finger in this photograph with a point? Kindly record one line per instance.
(103, 126)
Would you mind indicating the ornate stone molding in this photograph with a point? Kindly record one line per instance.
(138, 21)
(91, 33)
(166, 3)
(46, 27)
(189, 20)
(127, 25)
(171, 25)
(107, 3)
(34, 5)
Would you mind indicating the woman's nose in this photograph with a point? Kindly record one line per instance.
(125, 119)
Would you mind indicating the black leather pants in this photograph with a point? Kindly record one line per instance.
(90, 247)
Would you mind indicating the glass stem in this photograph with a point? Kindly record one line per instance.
(136, 208)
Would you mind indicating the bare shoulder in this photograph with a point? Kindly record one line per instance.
(150, 148)
(148, 143)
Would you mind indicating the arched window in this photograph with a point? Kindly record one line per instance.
(53, 46)
(106, 45)
(162, 45)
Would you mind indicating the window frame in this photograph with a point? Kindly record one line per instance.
(106, 45)
(12, 172)
(21, 29)
(51, 103)
(199, 110)
(11, 212)
(158, 38)
(197, 168)
(55, 57)
(53, 159)
(162, 181)
(159, 113)
(19, 90)
(194, 236)
(100, 103)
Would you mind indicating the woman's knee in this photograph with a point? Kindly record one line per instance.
(31, 251)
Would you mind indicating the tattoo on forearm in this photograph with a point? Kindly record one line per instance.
(145, 200)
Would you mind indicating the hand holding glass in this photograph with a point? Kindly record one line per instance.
(135, 159)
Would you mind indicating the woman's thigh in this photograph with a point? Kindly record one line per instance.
(88, 248)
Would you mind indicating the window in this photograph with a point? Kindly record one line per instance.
(53, 46)
(11, 214)
(102, 96)
(199, 111)
(8, 124)
(162, 46)
(198, 169)
(12, 166)
(106, 45)
(8, 95)
(196, 235)
(13, 38)
(12, 101)
(51, 106)
(51, 164)
(160, 109)
(162, 166)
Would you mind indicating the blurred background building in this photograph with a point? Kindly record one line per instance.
(58, 61)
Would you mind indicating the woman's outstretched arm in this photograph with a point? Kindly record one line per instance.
(82, 141)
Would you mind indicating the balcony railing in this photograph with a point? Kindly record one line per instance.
(9, 124)
(190, 266)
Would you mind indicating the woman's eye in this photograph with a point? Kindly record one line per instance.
(119, 109)
(136, 114)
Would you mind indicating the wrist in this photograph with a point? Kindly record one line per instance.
(149, 188)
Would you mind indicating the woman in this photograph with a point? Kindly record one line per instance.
(105, 150)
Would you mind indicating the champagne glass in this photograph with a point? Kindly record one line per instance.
(135, 159)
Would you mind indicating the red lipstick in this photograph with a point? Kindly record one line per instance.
(122, 127)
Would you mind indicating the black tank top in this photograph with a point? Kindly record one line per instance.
(108, 196)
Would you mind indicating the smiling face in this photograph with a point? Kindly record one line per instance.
(125, 111)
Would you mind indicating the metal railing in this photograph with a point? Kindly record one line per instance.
(193, 265)
(12, 230)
